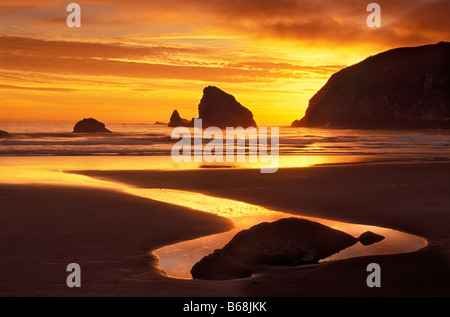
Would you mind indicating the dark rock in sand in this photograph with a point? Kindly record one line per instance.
(368, 238)
(90, 126)
(217, 266)
(287, 242)
(404, 88)
(4, 134)
(177, 121)
(219, 109)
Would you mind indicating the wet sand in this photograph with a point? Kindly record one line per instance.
(44, 228)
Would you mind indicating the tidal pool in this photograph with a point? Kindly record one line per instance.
(177, 260)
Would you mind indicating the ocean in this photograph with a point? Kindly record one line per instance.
(298, 146)
(49, 153)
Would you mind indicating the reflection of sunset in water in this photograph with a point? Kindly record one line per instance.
(28, 168)
(176, 260)
(190, 252)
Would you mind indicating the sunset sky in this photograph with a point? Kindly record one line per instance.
(139, 60)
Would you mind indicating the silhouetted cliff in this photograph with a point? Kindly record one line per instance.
(401, 88)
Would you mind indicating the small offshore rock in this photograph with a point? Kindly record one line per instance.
(4, 134)
(90, 126)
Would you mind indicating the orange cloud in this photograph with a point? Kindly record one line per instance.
(274, 54)
(37, 88)
(117, 60)
(338, 22)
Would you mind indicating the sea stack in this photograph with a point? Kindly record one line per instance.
(90, 126)
(219, 109)
(177, 121)
(4, 134)
(404, 88)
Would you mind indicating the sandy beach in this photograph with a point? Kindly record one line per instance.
(111, 234)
